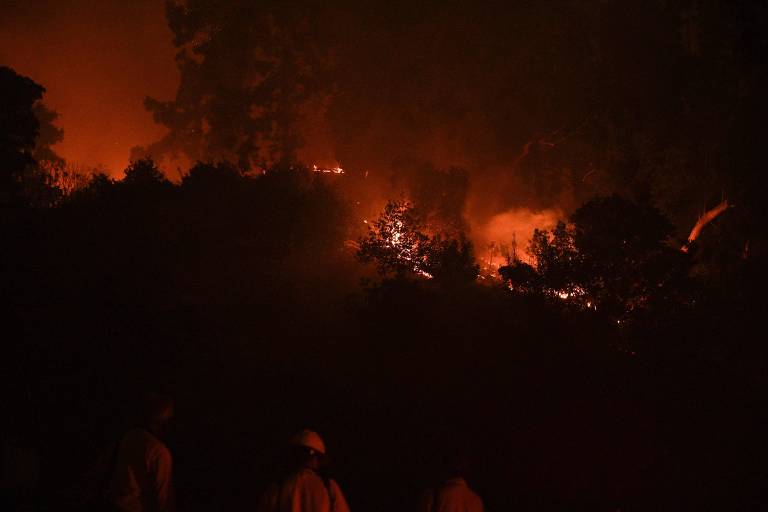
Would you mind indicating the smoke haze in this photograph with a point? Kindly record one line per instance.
(544, 104)
(97, 61)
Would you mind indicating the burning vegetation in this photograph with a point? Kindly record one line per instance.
(328, 170)
(399, 246)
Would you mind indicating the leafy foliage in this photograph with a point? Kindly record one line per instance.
(247, 72)
(451, 260)
(624, 252)
(18, 131)
(27, 133)
(614, 256)
(396, 242)
(398, 245)
(144, 173)
(557, 258)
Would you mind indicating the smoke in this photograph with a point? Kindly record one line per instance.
(507, 234)
(505, 95)
(542, 104)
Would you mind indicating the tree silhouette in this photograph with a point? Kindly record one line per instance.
(614, 256)
(623, 252)
(144, 178)
(204, 176)
(19, 129)
(557, 259)
(451, 260)
(246, 74)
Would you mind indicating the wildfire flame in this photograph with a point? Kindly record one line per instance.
(505, 236)
(705, 219)
(403, 251)
(328, 170)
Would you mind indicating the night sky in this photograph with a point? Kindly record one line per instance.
(93, 56)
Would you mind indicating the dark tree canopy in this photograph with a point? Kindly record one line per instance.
(206, 176)
(19, 128)
(144, 173)
(624, 252)
(29, 167)
(247, 71)
(615, 256)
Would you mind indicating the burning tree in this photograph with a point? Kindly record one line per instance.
(399, 246)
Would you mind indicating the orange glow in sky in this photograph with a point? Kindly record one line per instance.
(97, 61)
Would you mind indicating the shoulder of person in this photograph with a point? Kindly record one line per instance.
(333, 486)
(311, 479)
(154, 446)
(308, 476)
(477, 499)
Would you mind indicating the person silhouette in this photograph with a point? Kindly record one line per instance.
(304, 488)
(452, 493)
(141, 476)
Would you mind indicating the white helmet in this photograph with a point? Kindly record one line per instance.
(309, 439)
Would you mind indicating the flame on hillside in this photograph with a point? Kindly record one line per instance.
(397, 240)
(505, 236)
(328, 170)
(704, 219)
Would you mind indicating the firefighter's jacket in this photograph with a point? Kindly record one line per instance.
(304, 491)
(141, 477)
(452, 496)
